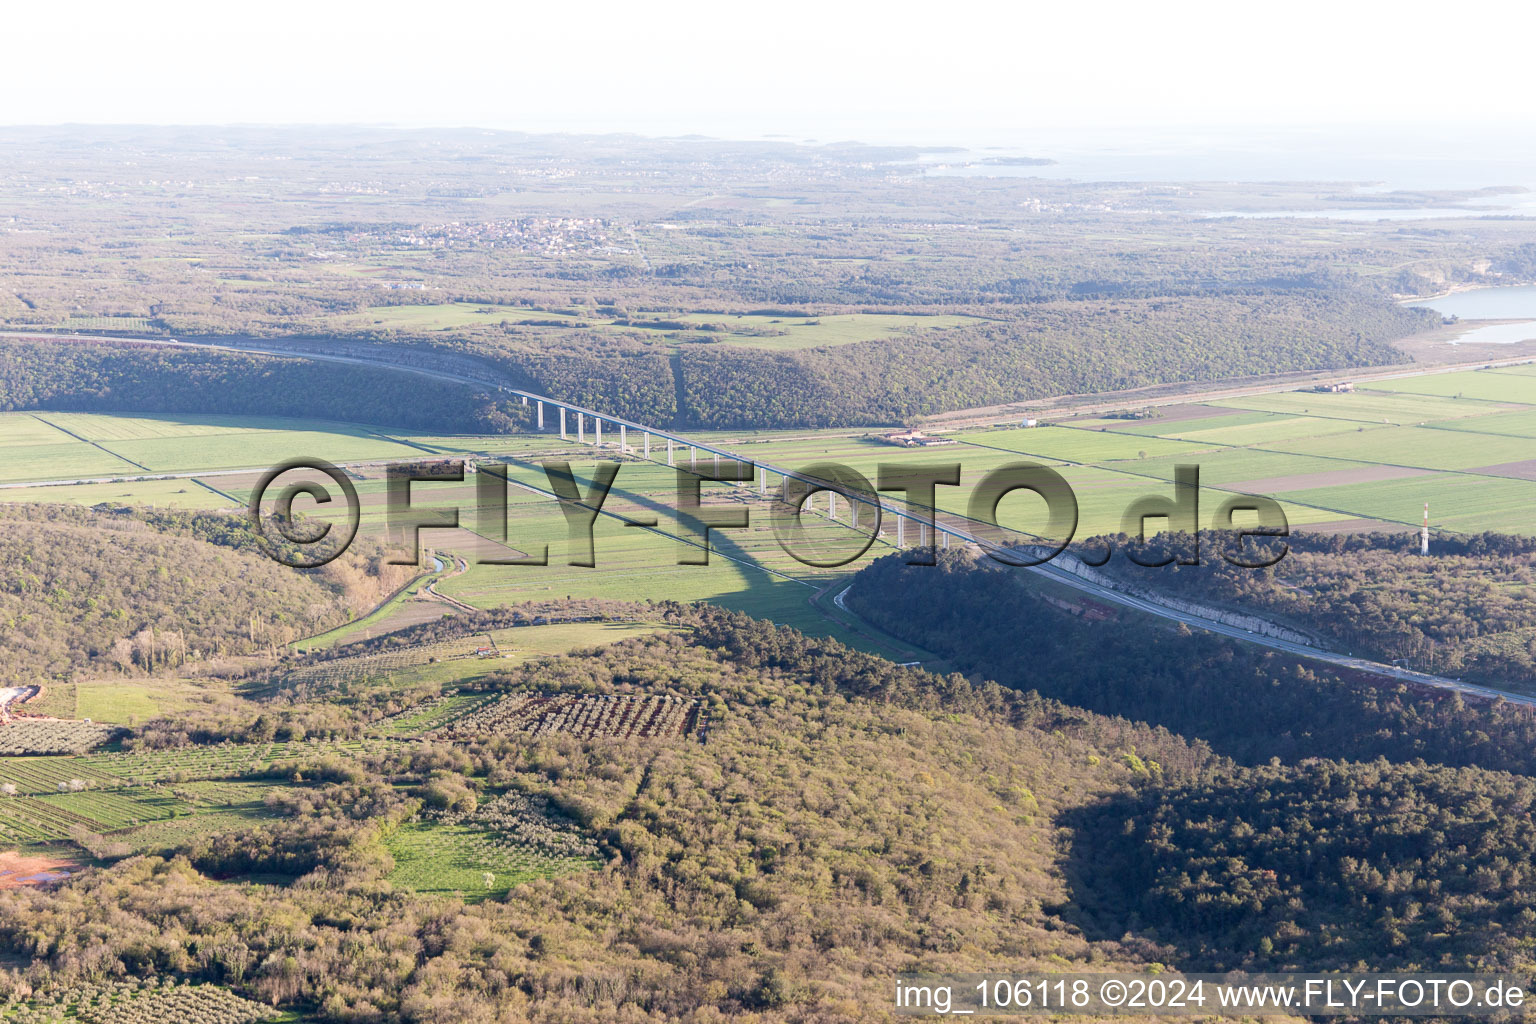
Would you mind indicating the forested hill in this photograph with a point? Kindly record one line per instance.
(1039, 352)
(1249, 703)
(949, 825)
(922, 810)
(1320, 866)
(1372, 827)
(1466, 610)
(1035, 352)
(134, 591)
(691, 380)
(121, 377)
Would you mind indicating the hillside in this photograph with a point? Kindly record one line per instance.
(1320, 866)
(923, 810)
(837, 812)
(1468, 608)
(122, 377)
(1247, 703)
(1060, 348)
(135, 591)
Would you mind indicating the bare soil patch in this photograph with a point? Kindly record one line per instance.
(1522, 470)
(16, 870)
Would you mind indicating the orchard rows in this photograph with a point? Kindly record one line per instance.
(581, 715)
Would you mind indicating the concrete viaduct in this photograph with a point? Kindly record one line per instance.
(572, 421)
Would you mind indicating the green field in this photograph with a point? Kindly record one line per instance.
(256, 448)
(1419, 447)
(1474, 384)
(1238, 466)
(1365, 406)
(123, 701)
(453, 860)
(1269, 428)
(1156, 426)
(368, 625)
(1455, 502)
(1067, 444)
(799, 332)
(45, 817)
(1519, 424)
(24, 429)
(755, 331)
(40, 446)
(96, 427)
(73, 460)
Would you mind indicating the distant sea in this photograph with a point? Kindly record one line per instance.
(1384, 159)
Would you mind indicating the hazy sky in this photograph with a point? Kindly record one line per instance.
(930, 72)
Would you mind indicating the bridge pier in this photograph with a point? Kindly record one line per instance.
(623, 445)
(647, 444)
(717, 463)
(946, 542)
(597, 426)
(669, 452)
(762, 481)
(832, 505)
(693, 457)
(853, 513)
(901, 531)
(541, 415)
(563, 434)
(581, 428)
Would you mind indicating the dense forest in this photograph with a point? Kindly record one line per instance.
(118, 377)
(1322, 866)
(829, 779)
(950, 823)
(1249, 704)
(1046, 351)
(1369, 825)
(133, 591)
(1058, 349)
(1468, 609)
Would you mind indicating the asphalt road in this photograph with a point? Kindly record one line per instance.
(1301, 650)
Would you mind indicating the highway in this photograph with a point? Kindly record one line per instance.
(887, 507)
(1300, 650)
(1334, 658)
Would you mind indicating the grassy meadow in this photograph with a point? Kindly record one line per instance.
(770, 332)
